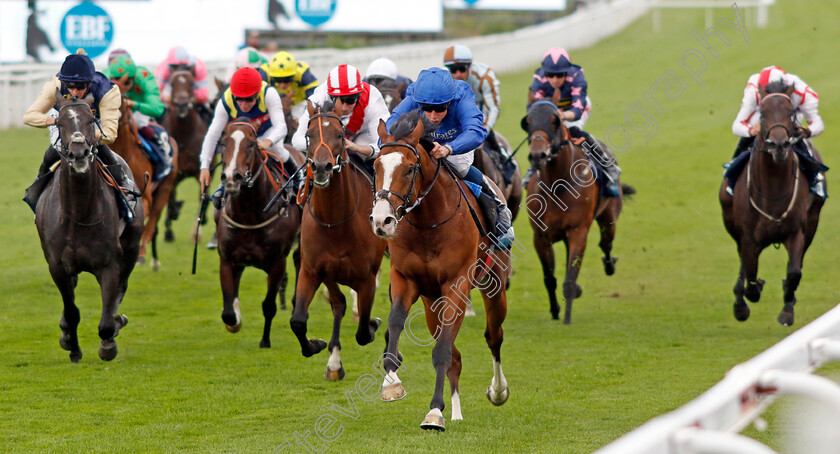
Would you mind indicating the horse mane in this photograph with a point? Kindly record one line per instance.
(327, 106)
(778, 86)
(405, 125)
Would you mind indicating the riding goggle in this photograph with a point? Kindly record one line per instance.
(459, 68)
(77, 85)
(282, 80)
(555, 75)
(251, 98)
(434, 107)
(347, 99)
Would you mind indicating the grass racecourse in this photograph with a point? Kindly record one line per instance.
(641, 343)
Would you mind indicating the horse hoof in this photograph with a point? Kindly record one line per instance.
(786, 316)
(238, 325)
(75, 356)
(155, 264)
(264, 343)
(498, 399)
(315, 347)
(392, 393)
(235, 328)
(742, 312)
(168, 236)
(108, 349)
(555, 315)
(334, 375)
(434, 421)
(609, 265)
(141, 260)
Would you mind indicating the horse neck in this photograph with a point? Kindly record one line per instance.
(768, 177)
(81, 193)
(339, 198)
(251, 201)
(560, 167)
(127, 137)
(442, 197)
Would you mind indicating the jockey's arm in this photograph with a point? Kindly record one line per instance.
(531, 97)
(277, 132)
(109, 114)
(578, 89)
(366, 142)
(151, 104)
(308, 83)
(36, 115)
(741, 125)
(473, 133)
(492, 98)
(217, 126)
(809, 109)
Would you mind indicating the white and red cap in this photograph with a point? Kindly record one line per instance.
(770, 74)
(344, 80)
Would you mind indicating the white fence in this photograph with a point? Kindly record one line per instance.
(504, 52)
(711, 423)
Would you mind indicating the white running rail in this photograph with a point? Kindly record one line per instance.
(504, 52)
(712, 422)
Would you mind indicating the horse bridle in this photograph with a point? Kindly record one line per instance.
(249, 179)
(341, 162)
(76, 137)
(189, 105)
(765, 136)
(385, 194)
(553, 146)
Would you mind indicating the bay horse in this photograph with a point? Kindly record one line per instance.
(247, 236)
(388, 88)
(80, 228)
(771, 204)
(437, 254)
(568, 199)
(488, 166)
(185, 125)
(336, 244)
(154, 195)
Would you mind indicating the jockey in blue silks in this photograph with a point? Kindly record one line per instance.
(450, 105)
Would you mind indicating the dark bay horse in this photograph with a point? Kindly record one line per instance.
(487, 165)
(80, 229)
(337, 246)
(247, 236)
(771, 204)
(388, 88)
(155, 195)
(563, 199)
(185, 125)
(438, 255)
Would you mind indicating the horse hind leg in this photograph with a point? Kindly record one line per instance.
(229, 276)
(276, 283)
(606, 222)
(173, 210)
(70, 316)
(109, 283)
(495, 306)
(454, 375)
(335, 369)
(575, 246)
(749, 253)
(796, 250)
(741, 309)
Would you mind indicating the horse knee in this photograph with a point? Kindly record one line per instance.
(298, 326)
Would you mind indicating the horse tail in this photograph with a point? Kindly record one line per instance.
(628, 190)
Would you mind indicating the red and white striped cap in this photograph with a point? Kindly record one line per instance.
(770, 74)
(344, 80)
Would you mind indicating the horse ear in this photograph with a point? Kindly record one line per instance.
(310, 108)
(219, 83)
(418, 131)
(382, 130)
(789, 90)
(337, 106)
(88, 99)
(59, 100)
(761, 92)
(524, 123)
(555, 98)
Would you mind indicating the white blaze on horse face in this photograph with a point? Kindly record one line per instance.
(237, 137)
(382, 209)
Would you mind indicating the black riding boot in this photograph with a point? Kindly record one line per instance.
(604, 161)
(291, 169)
(497, 216)
(120, 177)
(50, 157)
(33, 192)
(744, 144)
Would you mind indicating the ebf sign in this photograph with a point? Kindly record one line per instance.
(88, 26)
(315, 12)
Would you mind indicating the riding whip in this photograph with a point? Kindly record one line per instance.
(282, 188)
(202, 204)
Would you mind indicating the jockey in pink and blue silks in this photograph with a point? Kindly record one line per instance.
(558, 73)
(449, 105)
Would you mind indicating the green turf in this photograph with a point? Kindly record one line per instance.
(643, 342)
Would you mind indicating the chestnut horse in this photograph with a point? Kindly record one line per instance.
(438, 255)
(155, 196)
(247, 236)
(771, 204)
(488, 166)
(569, 199)
(337, 246)
(185, 125)
(80, 229)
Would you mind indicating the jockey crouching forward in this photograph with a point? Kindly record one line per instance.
(747, 126)
(179, 59)
(140, 89)
(450, 105)
(558, 73)
(78, 78)
(362, 106)
(248, 98)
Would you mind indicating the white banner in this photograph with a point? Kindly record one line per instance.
(209, 29)
(525, 5)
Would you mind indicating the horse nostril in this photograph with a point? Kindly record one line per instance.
(370, 219)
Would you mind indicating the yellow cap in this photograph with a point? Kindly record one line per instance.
(282, 65)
